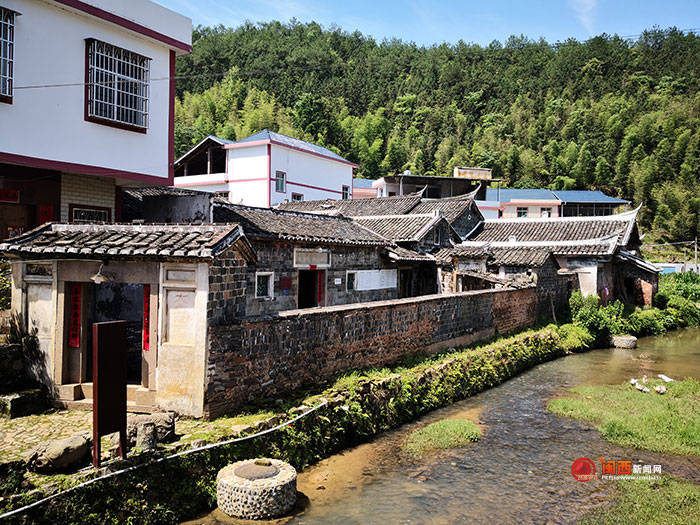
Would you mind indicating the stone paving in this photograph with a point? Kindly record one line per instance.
(21, 435)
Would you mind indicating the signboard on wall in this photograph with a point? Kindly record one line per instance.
(376, 279)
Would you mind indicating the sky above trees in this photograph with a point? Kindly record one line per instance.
(430, 22)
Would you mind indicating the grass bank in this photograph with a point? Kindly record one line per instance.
(668, 423)
(441, 435)
(668, 502)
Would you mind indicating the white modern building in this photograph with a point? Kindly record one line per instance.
(265, 169)
(87, 95)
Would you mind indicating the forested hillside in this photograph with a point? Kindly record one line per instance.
(608, 113)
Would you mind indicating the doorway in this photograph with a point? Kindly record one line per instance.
(122, 302)
(312, 288)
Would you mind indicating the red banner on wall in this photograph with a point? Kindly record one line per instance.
(9, 195)
(146, 317)
(74, 320)
(45, 213)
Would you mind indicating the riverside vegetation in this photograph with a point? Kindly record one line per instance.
(448, 433)
(360, 405)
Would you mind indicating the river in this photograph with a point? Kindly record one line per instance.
(519, 471)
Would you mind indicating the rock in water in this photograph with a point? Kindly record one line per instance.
(60, 454)
(624, 341)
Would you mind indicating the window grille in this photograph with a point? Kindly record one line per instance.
(7, 50)
(263, 285)
(346, 192)
(297, 197)
(521, 212)
(118, 84)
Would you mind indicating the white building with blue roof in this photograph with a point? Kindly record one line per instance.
(540, 202)
(265, 169)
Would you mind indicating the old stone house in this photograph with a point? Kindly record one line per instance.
(603, 252)
(161, 279)
(476, 267)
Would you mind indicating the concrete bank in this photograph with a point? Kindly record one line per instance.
(184, 487)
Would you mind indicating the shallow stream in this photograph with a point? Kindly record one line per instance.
(520, 470)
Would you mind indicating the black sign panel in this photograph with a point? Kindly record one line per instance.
(109, 384)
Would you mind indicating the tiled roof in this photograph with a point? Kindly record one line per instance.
(398, 253)
(284, 140)
(556, 230)
(160, 191)
(450, 207)
(589, 196)
(273, 223)
(399, 228)
(124, 240)
(509, 194)
(501, 256)
(396, 205)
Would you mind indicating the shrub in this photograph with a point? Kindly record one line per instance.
(600, 321)
(574, 337)
(689, 313)
(651, 321)
(686, 285)
(5, 285)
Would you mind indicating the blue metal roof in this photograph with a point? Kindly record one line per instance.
(362, 183)
(509, 194)
(266, 134)
(587, 196)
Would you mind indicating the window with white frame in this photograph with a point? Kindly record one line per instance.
(351, 281)
(521, 211)
(280, 182)
(7, 51)
(545, 212)
(118, 85)
(346, 192)
(264, 284)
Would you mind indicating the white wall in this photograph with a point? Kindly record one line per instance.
(248, 175)
(510, 210)
(48, 123)
(312, 176)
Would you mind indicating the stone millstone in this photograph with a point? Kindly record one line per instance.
(253, 471)
(247, 490)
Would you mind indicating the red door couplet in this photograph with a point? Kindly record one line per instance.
(109, 385)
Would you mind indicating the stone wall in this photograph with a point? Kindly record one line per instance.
(278, 257)
(270, 355)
